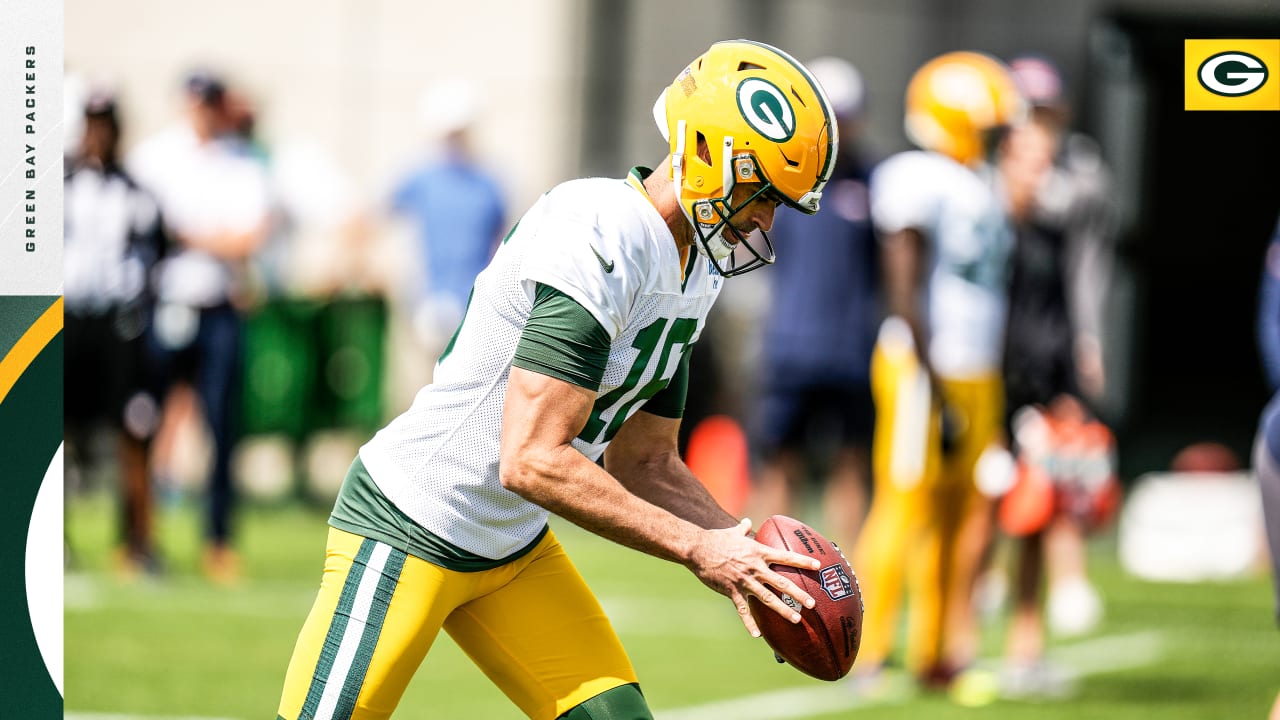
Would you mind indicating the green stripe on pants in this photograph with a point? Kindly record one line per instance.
(333, 640)
(369, 639)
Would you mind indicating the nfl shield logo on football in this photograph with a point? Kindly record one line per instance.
(836, 582)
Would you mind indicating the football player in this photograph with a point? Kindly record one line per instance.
(574, 346)
(936, 369)
(1266, 445)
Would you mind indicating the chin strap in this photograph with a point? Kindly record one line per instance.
(729, 178)
(677, 168)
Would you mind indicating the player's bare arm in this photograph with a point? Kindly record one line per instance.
(904, 257)
(542, 416)
(645, 457)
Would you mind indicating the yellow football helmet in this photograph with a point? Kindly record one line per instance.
(759, 117)
(954, 102)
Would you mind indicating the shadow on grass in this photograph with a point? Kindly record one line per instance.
(1150, 692)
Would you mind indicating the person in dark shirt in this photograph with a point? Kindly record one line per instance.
(816, 409)
(112, 238)
(1042, 391)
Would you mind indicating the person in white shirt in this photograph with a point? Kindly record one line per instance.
(216, 207)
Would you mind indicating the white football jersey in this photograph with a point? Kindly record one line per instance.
(602, 243)
(969, 241)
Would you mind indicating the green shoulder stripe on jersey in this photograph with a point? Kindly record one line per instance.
(563, 340)
(511, 232)
(456, 331)
(639, 174)
(362, 509)
(689, 267)
(670, 401)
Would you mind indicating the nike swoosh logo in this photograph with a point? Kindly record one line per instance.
(608, 266)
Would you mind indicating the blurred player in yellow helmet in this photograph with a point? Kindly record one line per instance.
(936, 368)
(574, 347)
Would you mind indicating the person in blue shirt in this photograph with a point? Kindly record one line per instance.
(1269, 313)
(457, 209)
(815, 411)
(1266, 449)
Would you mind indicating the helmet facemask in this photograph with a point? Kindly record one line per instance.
(712, 217)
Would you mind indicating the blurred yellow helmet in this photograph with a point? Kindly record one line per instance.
(954, 102)
(758, 116)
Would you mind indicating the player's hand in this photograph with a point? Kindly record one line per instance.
(730, 562)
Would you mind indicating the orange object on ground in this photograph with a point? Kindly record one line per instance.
(1030, 503)
(718, 456)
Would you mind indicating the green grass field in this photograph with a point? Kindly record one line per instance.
(178, 647)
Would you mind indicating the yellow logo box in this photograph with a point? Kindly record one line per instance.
(1232, 74)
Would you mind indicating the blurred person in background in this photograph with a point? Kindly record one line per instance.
(1266, 446)
(574, 348)
(815, 409)
(457, 210)
(1072, 201)
(935, 371)
(1064, 485)
(1269, 313)
(214, 198)
(1075, 200)
(111, 240)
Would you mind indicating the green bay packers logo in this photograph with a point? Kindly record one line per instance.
(1232, 74)
(766, 109)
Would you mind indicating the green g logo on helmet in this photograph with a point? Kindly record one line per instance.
(766, 109)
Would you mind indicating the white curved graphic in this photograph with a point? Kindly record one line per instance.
(44, 569)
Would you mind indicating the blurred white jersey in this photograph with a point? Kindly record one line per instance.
(968, 240)
(602, 243)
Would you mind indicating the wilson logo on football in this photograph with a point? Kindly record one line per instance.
(766, 109)
(836, 582)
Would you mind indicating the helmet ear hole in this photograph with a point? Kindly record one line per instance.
(704, 150)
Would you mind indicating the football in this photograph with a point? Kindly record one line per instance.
(825, 641)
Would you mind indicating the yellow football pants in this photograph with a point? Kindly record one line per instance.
(532, 626)
(923, 506)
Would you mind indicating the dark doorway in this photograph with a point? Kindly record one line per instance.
(1202, 198)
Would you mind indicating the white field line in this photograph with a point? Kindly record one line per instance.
(127, 716)
(1110, 653)
(1105, 654)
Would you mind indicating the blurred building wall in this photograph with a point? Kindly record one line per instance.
(348, 74)
(569, 83)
